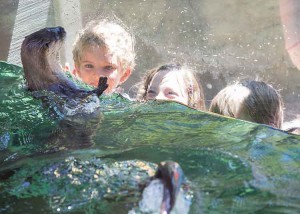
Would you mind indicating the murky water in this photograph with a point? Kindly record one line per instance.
(48, 166)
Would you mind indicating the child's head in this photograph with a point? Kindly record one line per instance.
(106, 49)
(253, 101)
(172, 82)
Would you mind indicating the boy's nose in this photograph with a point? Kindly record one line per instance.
(101, 73)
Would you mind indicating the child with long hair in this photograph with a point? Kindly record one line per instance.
(172, 82)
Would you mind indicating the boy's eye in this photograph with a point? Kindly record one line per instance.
(88, 66)
(109, 68)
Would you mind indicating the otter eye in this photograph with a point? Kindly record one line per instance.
(47, 44)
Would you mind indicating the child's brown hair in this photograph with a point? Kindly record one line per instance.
(194, 89)
(254, 101)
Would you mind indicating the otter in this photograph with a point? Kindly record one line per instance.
(42, 69)
(169, 177)
(78, 108)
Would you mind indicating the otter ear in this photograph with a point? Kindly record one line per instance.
(125, 76)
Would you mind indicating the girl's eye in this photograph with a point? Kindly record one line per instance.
(88, 66)
(172, 93)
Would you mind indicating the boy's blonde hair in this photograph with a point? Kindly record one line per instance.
(257, 100)
(110, 35)
(194, 89)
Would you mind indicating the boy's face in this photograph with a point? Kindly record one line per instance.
(96, 62)
(168, 85)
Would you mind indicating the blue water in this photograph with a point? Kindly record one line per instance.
(48, 165)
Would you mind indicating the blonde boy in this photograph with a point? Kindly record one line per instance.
(104, 49)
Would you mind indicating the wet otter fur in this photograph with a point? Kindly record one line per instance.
(42, 69)
(79, 109)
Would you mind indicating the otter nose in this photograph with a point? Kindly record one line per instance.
(58, 31)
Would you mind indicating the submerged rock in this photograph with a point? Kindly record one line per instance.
(75, 185)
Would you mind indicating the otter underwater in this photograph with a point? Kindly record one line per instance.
(73, 151)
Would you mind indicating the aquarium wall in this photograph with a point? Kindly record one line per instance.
(224, 40)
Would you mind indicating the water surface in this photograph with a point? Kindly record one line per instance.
(50, 166)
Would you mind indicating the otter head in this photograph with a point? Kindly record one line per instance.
(40, 58)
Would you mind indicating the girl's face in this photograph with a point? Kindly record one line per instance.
(168, 85)
(97, 62)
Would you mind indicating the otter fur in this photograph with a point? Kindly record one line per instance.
(42, 69)
(79, 109)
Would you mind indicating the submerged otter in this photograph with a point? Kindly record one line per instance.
(167, 192)
(42, 69)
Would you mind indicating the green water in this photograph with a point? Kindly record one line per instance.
(233, 166)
